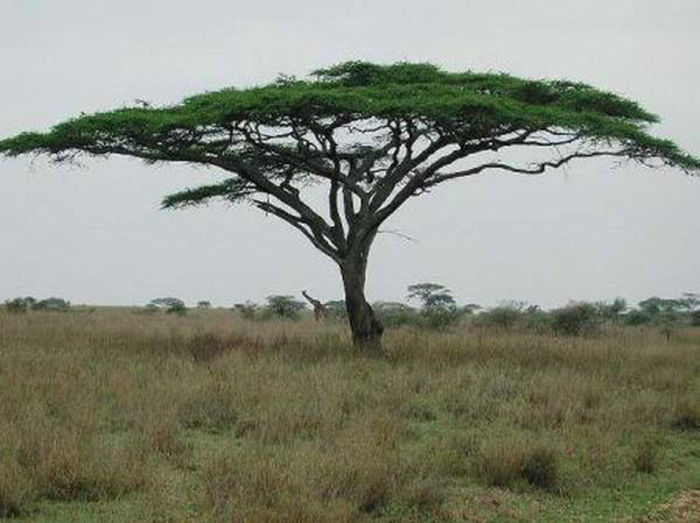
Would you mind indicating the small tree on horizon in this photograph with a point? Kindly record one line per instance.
(170, 305)
(438, 307)
(373, 136)
(431, 295)
(283, 307)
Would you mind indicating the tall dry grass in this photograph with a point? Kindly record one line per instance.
(209, 417)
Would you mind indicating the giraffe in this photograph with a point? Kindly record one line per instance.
(320, 311)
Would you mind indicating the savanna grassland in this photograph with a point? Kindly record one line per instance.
(113, 416)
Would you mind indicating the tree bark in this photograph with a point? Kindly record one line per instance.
(366, 329)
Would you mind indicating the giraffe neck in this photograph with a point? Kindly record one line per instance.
(312, 301)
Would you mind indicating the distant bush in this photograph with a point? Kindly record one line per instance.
(637, 317)
(470, 308)
(282, 307)
(438, 318)
(611, 311)
(537, 320)
(695, 318)
(22, 305)
(204, 304)
(16, 306)
(336, 309)
(149, 309)
(575, 319)
(52, 305)
(395, 314)
(502, 317)
(248, 310)
(438, 308)
(169, 305)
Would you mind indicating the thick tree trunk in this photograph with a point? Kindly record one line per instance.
(366, 328)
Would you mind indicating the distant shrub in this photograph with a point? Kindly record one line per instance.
(30, 301)
(52, 305)
(394, 314)
(204, 304)
(501, 317)
(169, 305)
(247, 310)
(16, 306)
(470, 308)
(438, 318)
(283, 307)
(637, 317)
(537, 320)
(611, 311)
(575, 319)
(695, 318)
(336, 309)
(149, 309)
(438, 308)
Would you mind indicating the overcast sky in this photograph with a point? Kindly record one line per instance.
(95, 234)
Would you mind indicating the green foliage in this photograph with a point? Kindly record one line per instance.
(575, 319)
(52, 305)
(247, 310)
(438, 318)
(665, 312)
(536, 320)
(431, 295)
(637, 317)
(470, 308)
(504, 316)
(611, 311)
(656, 306)
(438, 309)
(170, 305)
(283, 307)
(336, 309)
(22, 305)
(695, 318)
(17, 306)
(476, 105)
(395, 314)
(204, 304)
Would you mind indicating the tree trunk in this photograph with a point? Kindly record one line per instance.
(366, 328)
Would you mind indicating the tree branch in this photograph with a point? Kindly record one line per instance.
(315, 236)
(538, 169)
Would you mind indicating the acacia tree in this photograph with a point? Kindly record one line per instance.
(373, 136)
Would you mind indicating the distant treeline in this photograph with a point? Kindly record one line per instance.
(435, 308)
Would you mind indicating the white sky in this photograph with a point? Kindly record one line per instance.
(95, 234)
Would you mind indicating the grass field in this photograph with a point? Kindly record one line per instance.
(112, 416)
